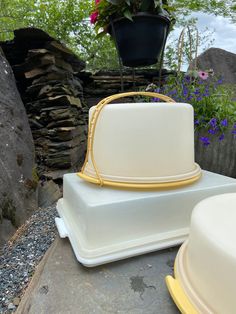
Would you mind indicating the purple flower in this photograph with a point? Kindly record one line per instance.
(220, 81)
(224, 122)
(185, 92)
(196, 122)
(221, 137)
(213, 122)
(212, 131)
(172, 92)
(206, 92)
(234, 129)
(205, 140)
(187, 79)
(199, 98)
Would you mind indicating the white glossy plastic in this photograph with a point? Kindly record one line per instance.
(209, 259)
(105, 224)
(144, 142)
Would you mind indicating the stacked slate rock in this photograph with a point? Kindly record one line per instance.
(107, 82)
(47, 78)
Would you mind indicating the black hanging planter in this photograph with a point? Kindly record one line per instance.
(140, 41)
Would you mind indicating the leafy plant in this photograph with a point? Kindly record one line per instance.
(213, 102)
(105, 10)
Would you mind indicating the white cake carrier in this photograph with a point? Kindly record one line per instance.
(124, 151)
(205, 267)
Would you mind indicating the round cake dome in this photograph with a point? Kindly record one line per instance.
(141, 144)
(205, 266)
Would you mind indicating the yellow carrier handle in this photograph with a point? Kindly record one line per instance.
(94, 119)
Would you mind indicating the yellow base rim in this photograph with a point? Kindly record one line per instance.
(176, 291)
(143, 186)
(181, 290)
(179, 297)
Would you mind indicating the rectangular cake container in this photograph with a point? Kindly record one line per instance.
(104, 224)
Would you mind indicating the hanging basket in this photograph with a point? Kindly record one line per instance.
(140, 42)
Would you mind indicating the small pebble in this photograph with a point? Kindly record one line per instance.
(11, 306)
(16, 301)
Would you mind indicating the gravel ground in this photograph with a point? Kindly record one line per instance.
(20, 256)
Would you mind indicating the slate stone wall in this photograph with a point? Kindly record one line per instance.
(47, 75)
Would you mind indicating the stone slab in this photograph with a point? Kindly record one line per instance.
(61, 285)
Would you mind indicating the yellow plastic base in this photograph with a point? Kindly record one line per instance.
(180, 298)
(178, 294)
(143, 186)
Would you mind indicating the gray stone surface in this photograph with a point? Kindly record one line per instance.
(219, 156)
(17, 187)
(49, 193)
(221, 61)
(61, 285)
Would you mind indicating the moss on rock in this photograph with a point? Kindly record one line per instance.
(8, 210)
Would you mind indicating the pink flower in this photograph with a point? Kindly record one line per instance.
(94, 17)
(203, 75)
(97, 1)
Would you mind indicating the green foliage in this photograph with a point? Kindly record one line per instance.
(68, 21)
(213, 102)
(99, 53)
(35, 176)
(112, 9)
(11, 17)
(217, 7)
(59, 18)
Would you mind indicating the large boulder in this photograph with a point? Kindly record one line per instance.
(18, 180)
(221, 61)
